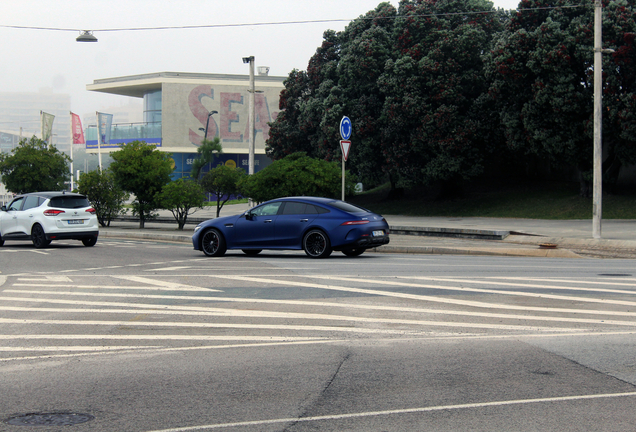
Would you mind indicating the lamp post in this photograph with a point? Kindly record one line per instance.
(252, 108)
(207, 123)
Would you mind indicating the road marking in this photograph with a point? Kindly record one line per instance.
(205, 325)
(521, 285)
(401, 411)
(479, 290)
(114, 287)
(290, 315)
(156, 337)
(148, 281)
(168, 268)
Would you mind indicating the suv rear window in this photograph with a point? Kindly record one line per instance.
(69, 202)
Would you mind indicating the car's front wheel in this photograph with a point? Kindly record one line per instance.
(38, 237)
(316, 244)
(353, 252)
(88, 242)
(213, 243)
(1, 241)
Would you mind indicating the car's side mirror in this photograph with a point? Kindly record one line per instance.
(249, 216)
(4, 208)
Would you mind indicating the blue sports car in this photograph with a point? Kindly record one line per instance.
(316, 225)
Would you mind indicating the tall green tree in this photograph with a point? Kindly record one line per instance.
(431, 88)
(223, 182)
(34, 166)
(543, 84)
(142, 170)
(182, 197)
(207, 152)
(106, 197)
(295, 175)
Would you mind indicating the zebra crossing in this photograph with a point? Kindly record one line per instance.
(190, 307)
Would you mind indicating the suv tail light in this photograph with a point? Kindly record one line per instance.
(52, 212)
(91, 210)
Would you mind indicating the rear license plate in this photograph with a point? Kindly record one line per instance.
(76, 221)
(378, 233)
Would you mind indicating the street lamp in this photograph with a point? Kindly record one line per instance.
(252, 91)
(207, 123)
(86, 36)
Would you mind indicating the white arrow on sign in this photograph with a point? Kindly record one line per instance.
(345, 146)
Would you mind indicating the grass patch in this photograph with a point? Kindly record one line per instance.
(545, 200)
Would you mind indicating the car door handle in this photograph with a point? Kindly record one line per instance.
(304, 220)
(267, 221)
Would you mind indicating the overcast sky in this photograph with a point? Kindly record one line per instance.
(32, 59)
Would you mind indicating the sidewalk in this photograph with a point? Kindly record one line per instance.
(439, 235)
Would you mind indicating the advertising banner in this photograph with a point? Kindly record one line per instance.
(46, 125)
(76, 127)
(104, 124)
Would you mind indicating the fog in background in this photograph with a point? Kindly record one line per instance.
(35, 59)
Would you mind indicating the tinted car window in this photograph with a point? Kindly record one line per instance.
(312, 209)
(31, 201)
(348, 207)
(69, 202)
(292, 208)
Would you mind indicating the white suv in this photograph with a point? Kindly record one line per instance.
(45, 216)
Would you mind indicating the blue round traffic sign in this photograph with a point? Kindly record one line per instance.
(345, 128)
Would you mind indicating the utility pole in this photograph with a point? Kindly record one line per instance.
(598, 120)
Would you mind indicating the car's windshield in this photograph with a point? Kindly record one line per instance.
(69, 202)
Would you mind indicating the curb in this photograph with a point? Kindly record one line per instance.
(431, 250)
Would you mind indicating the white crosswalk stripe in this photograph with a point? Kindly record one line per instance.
(77, 314)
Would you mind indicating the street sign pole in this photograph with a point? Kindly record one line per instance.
(345, 132)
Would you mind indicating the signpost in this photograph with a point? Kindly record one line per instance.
(345, 145)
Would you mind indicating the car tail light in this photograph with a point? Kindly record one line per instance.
(358, 222)
(52, 212)
(91, 210)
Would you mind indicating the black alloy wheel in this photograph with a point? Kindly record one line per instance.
(353, 252)
(213, 243)
(88, 242)
(38, 237)
(316, 244)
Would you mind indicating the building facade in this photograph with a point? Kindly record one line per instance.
(177, 114)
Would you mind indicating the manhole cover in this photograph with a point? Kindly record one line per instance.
(49, 419)
(615, 274)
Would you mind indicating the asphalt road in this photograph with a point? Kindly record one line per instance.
(148, 336)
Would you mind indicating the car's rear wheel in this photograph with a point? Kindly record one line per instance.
(316, 244)
(353, 252)
(38, 237)
(88, 242)
(213, 243)
(252, 252)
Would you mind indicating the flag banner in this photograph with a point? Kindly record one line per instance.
(104, 123)
(78, 132)
(47, 125)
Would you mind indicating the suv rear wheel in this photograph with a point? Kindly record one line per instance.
(38, 237)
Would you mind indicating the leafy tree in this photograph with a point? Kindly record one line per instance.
(142, 170)
(180, 197)
(543, 84)
(223, 182)
(206, 151)
(295, 175)
(34, 166)
(106, 197)
(431, 87)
